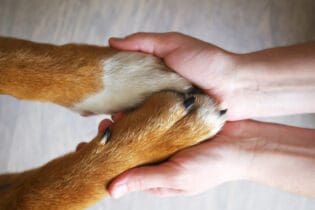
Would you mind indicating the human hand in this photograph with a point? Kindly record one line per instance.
(245, 84)
(276, 155)
(193, 170)
(206, 65)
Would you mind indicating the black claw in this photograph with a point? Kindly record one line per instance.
(189, 102)
(106, 135)
(223, 112)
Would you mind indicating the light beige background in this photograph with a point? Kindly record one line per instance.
(33, 133)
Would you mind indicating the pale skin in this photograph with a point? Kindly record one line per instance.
(273, 82)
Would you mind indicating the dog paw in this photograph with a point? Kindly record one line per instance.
(165, 123)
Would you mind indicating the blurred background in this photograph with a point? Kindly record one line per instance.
(33, 133)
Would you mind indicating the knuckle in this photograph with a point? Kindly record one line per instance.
(137, 183)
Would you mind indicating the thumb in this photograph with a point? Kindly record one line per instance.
(142, 178)
(158, 44)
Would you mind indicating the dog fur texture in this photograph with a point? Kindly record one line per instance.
(91, 79)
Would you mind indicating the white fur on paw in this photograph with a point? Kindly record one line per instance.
(209, 113)
(129, 77)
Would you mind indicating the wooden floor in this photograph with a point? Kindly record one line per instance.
(33, 133)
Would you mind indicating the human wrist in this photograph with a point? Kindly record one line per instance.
(284, 73)
(254, 88)
(278, 156)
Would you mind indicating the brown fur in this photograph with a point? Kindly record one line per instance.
(157, 129)
(42, 72)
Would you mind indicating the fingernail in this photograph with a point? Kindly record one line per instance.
(119, 191)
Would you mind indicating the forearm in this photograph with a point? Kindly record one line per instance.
(274, 82)
(284, 157)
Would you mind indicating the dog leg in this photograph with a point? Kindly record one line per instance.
(83, 78)
(164, 124)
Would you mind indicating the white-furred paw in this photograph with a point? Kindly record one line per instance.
(210, 114)
(129, 77)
